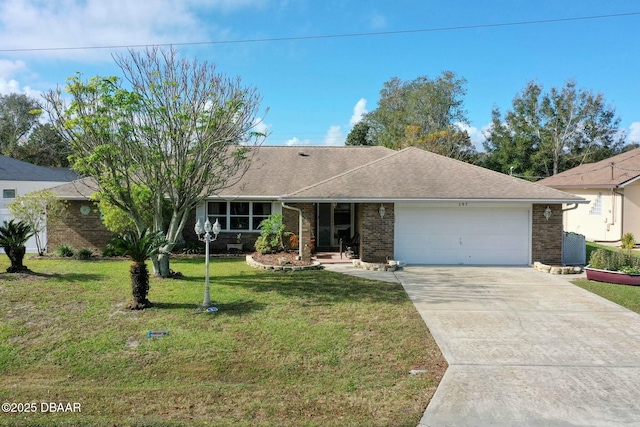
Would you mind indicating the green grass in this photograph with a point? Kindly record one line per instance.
(626, 296)
(304, 349)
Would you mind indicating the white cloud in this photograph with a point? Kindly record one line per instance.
(260, 126)
(359, 110)
(295, 141)
(475, 135)
(377, 21)
(334, 136)
(9, 68)
(28, 24)
(13, 86)
(634, 133)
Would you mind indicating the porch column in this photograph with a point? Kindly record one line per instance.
(546, 235)
(291, 221)
(376, 232)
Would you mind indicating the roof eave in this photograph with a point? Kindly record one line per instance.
(426, 200)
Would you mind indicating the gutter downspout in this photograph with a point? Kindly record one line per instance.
(284, 205)
(614, 191)
(575, 206)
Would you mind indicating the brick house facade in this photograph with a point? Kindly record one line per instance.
(332, 193)
(81, 228)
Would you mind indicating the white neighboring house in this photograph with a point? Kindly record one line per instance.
(18, 178)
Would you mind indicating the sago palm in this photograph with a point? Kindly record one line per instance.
(13, 236)
(139, 247)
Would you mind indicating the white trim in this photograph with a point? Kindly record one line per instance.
(431, 200)
(228, 215)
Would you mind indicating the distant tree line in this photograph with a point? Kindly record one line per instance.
(543, 133)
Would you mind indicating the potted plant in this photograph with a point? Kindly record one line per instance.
(622, 268)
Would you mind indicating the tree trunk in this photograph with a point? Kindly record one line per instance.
(16, 256)
(163, 264)
(139, 286)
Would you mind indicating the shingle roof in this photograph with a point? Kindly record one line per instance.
(414, 174)
(16, 170)
(366, 174)
(277, 170)
(613, 172)
(79, 189)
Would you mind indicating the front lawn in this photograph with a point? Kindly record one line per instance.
(624, 295)
(298, 349)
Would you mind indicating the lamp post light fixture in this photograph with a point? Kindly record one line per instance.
(204, 235)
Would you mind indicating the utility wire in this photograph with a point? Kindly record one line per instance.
(333, 36)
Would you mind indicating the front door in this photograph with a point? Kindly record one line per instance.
(335, 221)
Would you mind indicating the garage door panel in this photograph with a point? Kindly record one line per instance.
(432, 235)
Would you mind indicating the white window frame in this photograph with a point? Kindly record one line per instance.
(228, 216)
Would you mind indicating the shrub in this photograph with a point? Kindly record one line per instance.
(603, 259)
(191, 248)
(64, 251)
(271, 234)
(84, 254)
(13, 236)
(628, 241)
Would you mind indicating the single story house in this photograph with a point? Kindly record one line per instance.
(612, 188)
(409, 205)
(18, 178)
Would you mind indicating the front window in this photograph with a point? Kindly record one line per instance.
(238, 216)
(8, 193)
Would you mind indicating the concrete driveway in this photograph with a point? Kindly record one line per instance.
(526, 348)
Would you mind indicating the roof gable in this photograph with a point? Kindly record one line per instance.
(414, 174)
(613, 172)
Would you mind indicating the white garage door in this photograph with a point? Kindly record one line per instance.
(462, 235)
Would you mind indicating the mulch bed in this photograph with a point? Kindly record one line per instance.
(274, 259)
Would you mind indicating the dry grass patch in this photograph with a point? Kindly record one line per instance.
(301, 349)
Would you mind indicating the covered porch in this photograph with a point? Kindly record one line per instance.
(322, 226)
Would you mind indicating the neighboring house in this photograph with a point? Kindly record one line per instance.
(18, 178)
(409, 205)
(612, 187)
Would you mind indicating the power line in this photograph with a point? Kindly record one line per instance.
(334, 36)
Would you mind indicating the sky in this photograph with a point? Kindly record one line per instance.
(320, 64)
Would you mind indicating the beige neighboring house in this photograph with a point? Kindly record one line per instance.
(612, 187)
(409, 205)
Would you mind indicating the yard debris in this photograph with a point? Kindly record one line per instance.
(212, 309)
(417, 371)
(152, 334)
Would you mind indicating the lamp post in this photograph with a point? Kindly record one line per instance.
(204, 235)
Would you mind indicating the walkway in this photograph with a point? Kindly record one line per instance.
(526, 348)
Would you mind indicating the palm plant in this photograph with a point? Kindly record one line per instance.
(139, 247)
(13, 236)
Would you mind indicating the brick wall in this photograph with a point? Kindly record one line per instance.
(546, 235)
(376, 234)
(78, 230)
